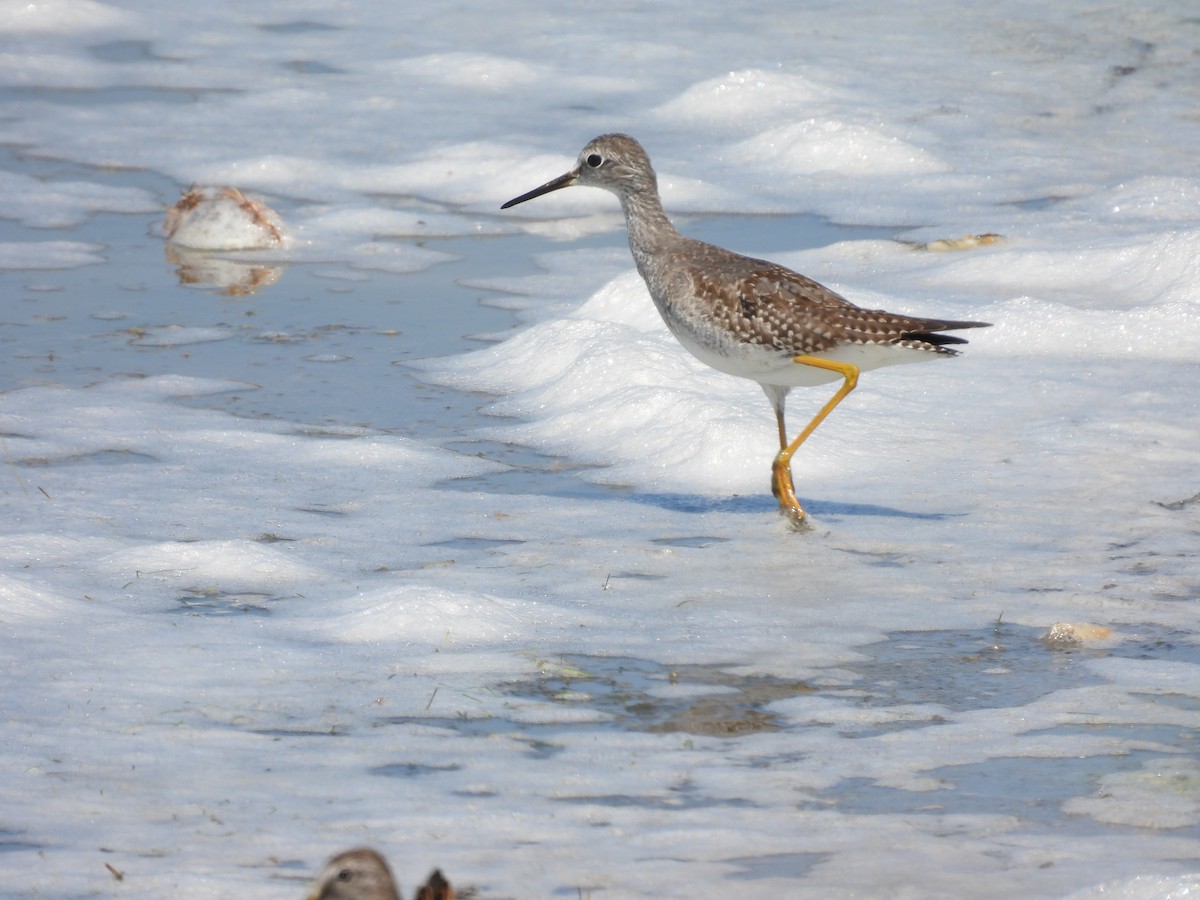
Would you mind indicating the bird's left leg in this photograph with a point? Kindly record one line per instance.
(781, 482)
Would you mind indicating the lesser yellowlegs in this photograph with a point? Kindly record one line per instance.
(745, 316)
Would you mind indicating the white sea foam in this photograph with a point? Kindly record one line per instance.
(57, 17)
(30, 202)
(48, 254)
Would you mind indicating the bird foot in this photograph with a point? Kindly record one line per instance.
(796, 517)
(785, 492)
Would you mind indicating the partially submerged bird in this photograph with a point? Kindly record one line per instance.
(363, 874)
(437, 887)
(749, 317)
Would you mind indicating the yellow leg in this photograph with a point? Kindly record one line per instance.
(781, 469)
(781, 478)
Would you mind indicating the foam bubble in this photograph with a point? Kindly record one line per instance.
(745, 98)
(817, 146)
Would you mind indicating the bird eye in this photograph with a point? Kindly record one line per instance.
(594, 160)
(344, 875)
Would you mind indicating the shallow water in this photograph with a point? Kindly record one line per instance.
(305, 345)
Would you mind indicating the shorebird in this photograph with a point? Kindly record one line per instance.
(363, 874)
(749, 317)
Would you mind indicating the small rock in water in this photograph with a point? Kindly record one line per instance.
(1064, 634)
(966, 242)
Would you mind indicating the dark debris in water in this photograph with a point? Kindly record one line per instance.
(1176, 505)
(270, 538)
(204, 602)
(116, 457)
(636, 693)
(775, 865)
(673, 799)
(535, 738)
(697, 542)
(412, 770)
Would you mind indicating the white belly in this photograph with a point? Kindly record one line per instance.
(774, 367)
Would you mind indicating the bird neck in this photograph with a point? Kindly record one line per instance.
(650, 231)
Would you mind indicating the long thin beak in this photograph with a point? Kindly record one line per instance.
(557, 184)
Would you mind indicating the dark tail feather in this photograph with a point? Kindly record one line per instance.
(932, 337)
(929, 332)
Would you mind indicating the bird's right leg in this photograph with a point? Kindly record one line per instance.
(781, 476)
(781, 469)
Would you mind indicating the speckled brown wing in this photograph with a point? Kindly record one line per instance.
(771, 306)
